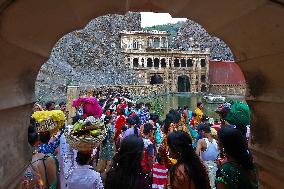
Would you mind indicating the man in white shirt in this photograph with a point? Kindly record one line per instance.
(84, 176)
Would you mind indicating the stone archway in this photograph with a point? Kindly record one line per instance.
(149, 62)
(183, 83)
(253, 29)
(156, 63)
(135, 63)
(156, 79)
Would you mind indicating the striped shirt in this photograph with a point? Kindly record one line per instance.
(159, 176)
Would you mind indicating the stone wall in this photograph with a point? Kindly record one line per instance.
(227, 89)
(91, 56)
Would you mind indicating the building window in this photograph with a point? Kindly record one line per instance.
(176, 63)
(164, 42)
(135, 62)
(156, 62)
(203, 63)
(156, 42)
(163, 63)
(203, 78)
(189, 63)
(183, 63)
(149, 63)
(150, 42)
(135, 44)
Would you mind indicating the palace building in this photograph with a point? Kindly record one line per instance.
(148, 53)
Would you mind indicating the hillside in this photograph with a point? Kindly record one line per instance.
(172, 29)
(184, 35)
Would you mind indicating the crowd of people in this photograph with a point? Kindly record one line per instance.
(186, 150)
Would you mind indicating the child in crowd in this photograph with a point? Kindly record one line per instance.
(148, 155)
(159, 174)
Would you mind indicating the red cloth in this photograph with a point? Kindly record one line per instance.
(148, 155)
(121, 106)
(90, 105)
(119, 123)
(192, 122)
(159, 176)
(217, 127)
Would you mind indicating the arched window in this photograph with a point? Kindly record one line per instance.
(183, 63)
(156, 62)
(203, 63)
(135, 62)
(189, 63)
(176, 63)
(163, 63)
(149, 63)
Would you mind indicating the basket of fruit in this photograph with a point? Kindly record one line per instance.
(50, 121)
(86, 135)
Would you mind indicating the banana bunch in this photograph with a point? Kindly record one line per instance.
(85, 128)
(78, 126)
(96, 132)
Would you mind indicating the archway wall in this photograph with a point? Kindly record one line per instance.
(253, 29)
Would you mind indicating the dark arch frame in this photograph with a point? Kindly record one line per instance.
(156, 63)
(149, 63)
(135, 62)
(183, 83)
(156, 79)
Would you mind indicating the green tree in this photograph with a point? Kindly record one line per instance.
(172, 29)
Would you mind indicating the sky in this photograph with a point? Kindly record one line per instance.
(151, 19)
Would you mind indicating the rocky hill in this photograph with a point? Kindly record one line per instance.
(192, 34)
(91, 56)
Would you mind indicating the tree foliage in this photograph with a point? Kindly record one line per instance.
(172, 29)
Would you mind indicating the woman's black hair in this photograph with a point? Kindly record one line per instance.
(44, 137)
(137, 120)
(49, 104)
(154, 117)
(235, 146)
(199, 104)
(123, 128)
(126, 168)
(32, 138)
(159, 158)
(148, 127)
(107, 119)
(180, 144)
(172, 117)
(83, 158)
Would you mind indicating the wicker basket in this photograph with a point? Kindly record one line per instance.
(84, 143)
(48, 125)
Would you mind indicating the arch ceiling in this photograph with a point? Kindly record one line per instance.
(253, 29)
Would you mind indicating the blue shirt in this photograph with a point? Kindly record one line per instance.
(144, 116)
(51, 147)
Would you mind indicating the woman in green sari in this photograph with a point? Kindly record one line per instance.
(238, 172)
(43, 170)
